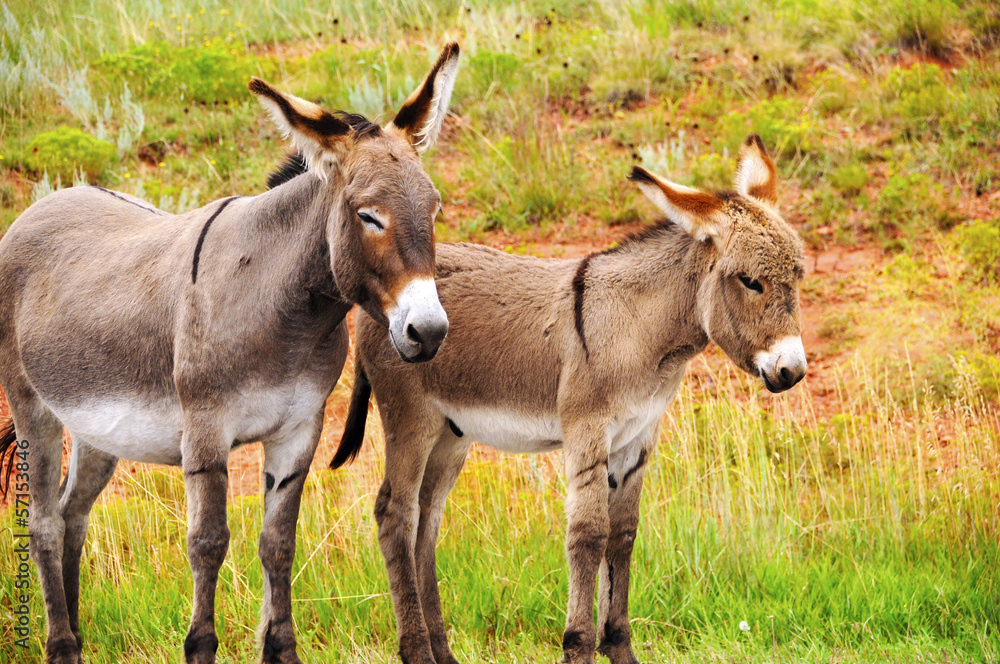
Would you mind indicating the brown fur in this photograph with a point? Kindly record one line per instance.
(175, 338)
(580, 353)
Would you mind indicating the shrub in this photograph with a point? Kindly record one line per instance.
(63, 151)
(833, 92)
(918, 98)
(783, 125)
(907, 206)
(923, 25)
(979, 243)
(206, 73)
(849, 179)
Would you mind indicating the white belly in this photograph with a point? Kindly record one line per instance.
(516, 432)
(151, 433)
(140, 432)
(506, 430)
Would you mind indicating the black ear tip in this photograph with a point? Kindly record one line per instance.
(754, 139)
(453, 49)
(257, 86)
(640, 174)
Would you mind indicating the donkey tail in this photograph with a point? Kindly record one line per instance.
(8, 443)
(357, 416)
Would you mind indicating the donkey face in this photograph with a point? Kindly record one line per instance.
(381, 224)
(749, 302)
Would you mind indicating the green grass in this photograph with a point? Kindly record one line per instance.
(855, 521)
(861, 536)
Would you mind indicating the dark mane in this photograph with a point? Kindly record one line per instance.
(295, 165)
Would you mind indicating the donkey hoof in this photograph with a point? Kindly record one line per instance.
(279, 645)
(63, 651)
(444, 656)
(200, 648)
(416, 655)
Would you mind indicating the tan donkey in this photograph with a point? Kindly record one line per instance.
(584, 354)
(174, 339)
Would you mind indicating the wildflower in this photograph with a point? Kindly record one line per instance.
(128, 175)
(744, 626)
(163, 163)
(201, 11)
(224, 12)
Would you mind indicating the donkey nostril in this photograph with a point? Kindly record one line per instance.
(786, 375)
(413, 335)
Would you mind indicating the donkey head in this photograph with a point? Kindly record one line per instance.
(748, 303)
(381, 226)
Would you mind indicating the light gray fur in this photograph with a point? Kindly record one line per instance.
(107, 327)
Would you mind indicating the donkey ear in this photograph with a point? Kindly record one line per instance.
(697, 212)
(320, 136)
(422, 114)
(756, 174)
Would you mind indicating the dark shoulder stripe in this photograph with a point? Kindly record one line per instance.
(201, 238)
(579, 284)
(147, 208)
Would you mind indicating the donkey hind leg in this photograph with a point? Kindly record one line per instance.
(204, 452)
(286, 463)
(89, 472)
(397, 512)
(36, 424)
(443, 466)
(625, 490)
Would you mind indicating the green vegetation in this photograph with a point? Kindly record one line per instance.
(869, 535)
(854, 520)
(63, 151)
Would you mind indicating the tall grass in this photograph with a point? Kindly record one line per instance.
(868, 534)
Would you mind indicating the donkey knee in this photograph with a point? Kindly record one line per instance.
(276, 553)
(47, 535)
(382, 503)
(587, 541)
(208, 548)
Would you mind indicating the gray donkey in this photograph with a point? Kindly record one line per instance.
(584, 354)
(174, 339)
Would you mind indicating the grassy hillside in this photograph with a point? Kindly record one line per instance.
(856, 519)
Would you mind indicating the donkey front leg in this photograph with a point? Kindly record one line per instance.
(443, 467)
(286, 464)
(397, 513)
(204, 453)
(625, 490)
(586, 533)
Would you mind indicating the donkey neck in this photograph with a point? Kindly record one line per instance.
(297, 214)
(654, 279)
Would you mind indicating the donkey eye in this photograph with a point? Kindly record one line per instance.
(752, 284)
(369, 220)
